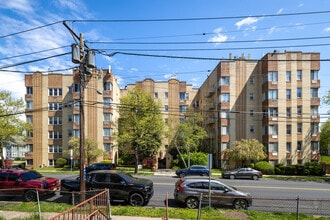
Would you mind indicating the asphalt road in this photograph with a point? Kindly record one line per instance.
(268, 195)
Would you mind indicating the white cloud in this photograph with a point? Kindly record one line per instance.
(272, 30)
(327, 29)
(18, 5)
(246, 21)
(219, 38)
(280, 11)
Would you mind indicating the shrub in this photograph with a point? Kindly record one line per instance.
(60, 162)
(196, 158)
(265, 167)
(300, 170)
(313, 168)
(279, 169)
(290, 170)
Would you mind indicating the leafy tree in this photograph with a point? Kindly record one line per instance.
(246, 150)
(325, 137)
(92, 152)
(12, 128)
(189, 134)
(140, 125)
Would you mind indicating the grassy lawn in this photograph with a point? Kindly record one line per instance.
(178, 213)
(325, 159)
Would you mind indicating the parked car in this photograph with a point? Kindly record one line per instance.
(26, 183)
(242, 173)
(123, 187)
(189, 191)
(194, 170)
(100, 166)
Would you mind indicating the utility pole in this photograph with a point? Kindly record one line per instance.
(82, 116)
(85, 61)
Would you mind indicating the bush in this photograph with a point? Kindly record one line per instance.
(314, 169)
(60, 162)
(265, 167)
(279, 169)
(196, 158)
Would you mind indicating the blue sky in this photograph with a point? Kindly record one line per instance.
(208, 30)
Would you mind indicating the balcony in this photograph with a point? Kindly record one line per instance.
(210, 92)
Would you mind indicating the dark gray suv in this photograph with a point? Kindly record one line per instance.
(189, 191)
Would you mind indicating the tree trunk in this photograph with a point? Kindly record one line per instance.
(136, 160)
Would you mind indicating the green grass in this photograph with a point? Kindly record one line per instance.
(325, 159)
(178, 213)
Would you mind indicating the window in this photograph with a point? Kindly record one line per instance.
(54, 120)
(251, 96)
(223, 81)
(315, 146)
(288, 112)
(251, 112)
(107, 102)
(54, 134)
(224, 97)
(107, 132)
(288, 76)
(107, 86)
(288, 129)
(166, 108)
(272, 76)
(166, 95)
(299, 127)
(315, 128)
(29, 105)
(224, 130)
(288, 94)
(183, 108)
(288, 147)
(299, 74)
(107, 117)
(107, 147)
(156, 95)
(270, 112)
(76, 87)
(314, 93)
(299, 146)
(51, 162)
(224, 113)
(54, 149)
(183, 96)
(299, 110)
(252, 128)
(54, 106)
(29, 119)
(314, 74)
(315, 110)
(299, 92)
(272, 94)
(55, 92)
(76, 133)
(251, 79)
(29, 90)
(273, 129)
(273, 147)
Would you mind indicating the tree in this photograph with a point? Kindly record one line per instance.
(189, 134)
(12, 127)
(140, 125)
(325, 137)
(246, 150)
(92, 152)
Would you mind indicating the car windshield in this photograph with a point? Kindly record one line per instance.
(31, 175)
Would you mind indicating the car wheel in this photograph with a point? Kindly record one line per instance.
(204, 174)
(136, 199)
(192, 202)
(30, 196)
(240, 204)
(255, 177)
(232, 177)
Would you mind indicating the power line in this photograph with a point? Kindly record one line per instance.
(199, 19)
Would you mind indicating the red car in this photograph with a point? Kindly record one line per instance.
(26, 183)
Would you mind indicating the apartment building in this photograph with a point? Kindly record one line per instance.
(274, 100)
(176, 96)
(53, 108)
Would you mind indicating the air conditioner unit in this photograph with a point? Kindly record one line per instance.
(314, 152)
(274, 119)
(274, 82)
(274, 153)
(274, 136)
(314, 81)
(314, 116)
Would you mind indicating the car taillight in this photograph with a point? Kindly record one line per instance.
(179, 187)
